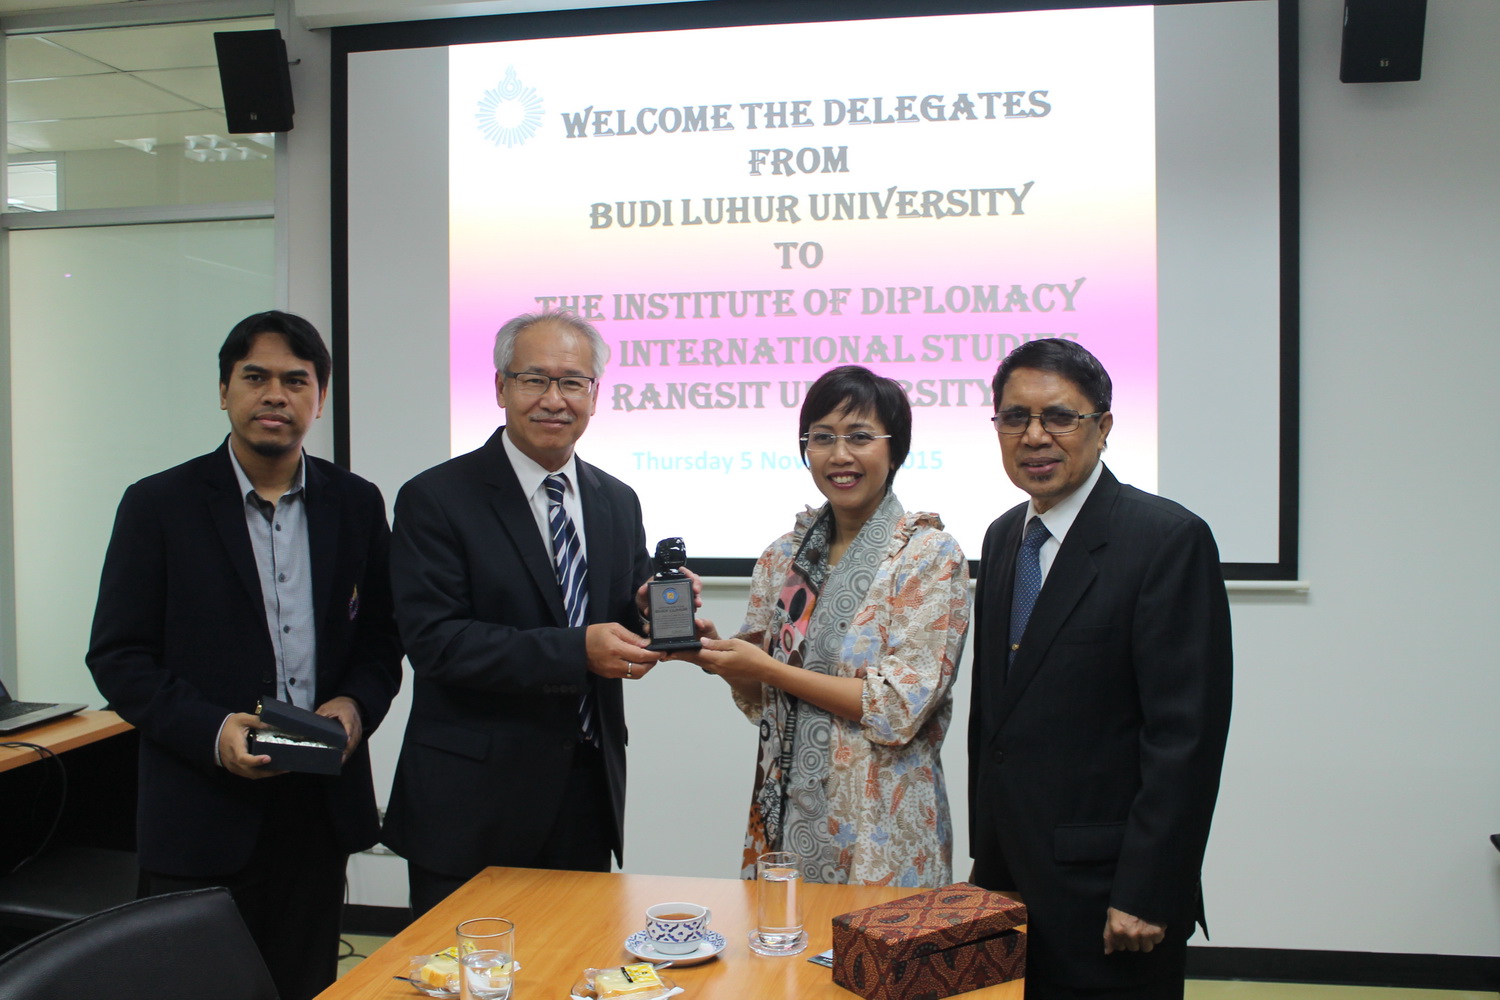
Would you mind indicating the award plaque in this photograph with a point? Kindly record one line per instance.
(669, 595)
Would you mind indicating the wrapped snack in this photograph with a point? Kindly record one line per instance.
(633, 982)
(438, 972)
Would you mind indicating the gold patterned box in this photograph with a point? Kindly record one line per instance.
(935, 944)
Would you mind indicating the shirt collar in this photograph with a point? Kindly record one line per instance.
(530, 474)
(247, 489)
(1060, 517)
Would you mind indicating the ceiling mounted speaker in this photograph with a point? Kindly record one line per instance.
(256, 79)
(1382, 40)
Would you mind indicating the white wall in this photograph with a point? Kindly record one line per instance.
(303, 198)
(1364, 767)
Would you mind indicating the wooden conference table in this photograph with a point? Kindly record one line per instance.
(60, 736)
(569, 921)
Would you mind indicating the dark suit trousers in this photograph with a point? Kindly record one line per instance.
(578, 842)
(1041, 982)
(291, 893)
(1040, 986)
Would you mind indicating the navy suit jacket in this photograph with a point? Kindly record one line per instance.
(499, 673)
(1094, 765)
(180, 641)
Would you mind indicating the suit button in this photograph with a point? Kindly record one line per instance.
(998, 757)
(268, 679)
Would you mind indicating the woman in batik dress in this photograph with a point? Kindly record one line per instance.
(847, 657)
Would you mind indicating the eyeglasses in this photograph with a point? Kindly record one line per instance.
(1053, 421)
(858, 441)
(537, 384)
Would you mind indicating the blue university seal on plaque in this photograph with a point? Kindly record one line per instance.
(509, 113)
(670, 596)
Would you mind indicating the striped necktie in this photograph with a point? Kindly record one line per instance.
(573, 577)
(1028, 583)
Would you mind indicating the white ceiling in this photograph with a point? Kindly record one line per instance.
(76, 90)
(91, 89)
(17, 6)
(336, 13)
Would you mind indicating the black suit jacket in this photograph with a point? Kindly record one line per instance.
(1094, 765)
(180, 641)
(494, 715)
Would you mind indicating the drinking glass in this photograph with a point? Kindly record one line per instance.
(486, 958)
(778, 922)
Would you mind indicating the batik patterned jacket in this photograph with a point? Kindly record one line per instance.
(887, 803)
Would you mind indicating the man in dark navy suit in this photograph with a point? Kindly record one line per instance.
(256, 571)
(1101, 695)
(515, 570)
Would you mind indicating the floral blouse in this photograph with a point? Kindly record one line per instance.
(887, 803)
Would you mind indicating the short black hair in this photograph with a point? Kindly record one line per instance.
(1061, 357)
(856, 389)
(302, 339)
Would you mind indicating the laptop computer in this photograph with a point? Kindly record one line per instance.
(20, 714)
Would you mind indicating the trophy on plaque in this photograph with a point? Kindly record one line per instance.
(669, 595)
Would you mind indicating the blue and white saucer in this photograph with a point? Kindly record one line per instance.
(641, 946)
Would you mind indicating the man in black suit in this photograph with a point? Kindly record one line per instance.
(252, 572)
(515, 571)
(1101, 695)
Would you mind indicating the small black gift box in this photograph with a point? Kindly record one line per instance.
(298, 740)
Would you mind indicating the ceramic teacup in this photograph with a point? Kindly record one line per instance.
(676, 928)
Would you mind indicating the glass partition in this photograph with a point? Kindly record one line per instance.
(114, 345)
(126, 117)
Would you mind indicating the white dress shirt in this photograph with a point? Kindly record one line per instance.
(531, 476)
(1059, 518)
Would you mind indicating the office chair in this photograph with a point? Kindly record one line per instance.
(64, 884)
(181, 946)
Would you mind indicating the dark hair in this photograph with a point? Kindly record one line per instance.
(302, 339)
(855, 389)
(1061, 357)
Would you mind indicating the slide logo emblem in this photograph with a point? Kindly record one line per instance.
(509, 113)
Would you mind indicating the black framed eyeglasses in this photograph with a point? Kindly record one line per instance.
(537, 384)
(1054, 421)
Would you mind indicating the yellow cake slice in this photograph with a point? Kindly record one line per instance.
(631, 981)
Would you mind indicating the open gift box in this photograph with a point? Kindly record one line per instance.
(935, 944)
(298, 740)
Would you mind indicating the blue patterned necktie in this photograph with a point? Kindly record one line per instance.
(573, 577)
(1028, 583)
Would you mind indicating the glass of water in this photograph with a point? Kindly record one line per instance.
(778, 923)
(486, 958)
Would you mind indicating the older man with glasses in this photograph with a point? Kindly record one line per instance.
(1101, 695)
(515, 570)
